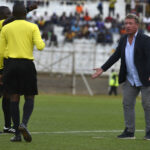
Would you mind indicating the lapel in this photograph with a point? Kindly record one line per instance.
(137, 41)
(124, 46)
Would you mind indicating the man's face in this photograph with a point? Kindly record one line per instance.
(131, 26)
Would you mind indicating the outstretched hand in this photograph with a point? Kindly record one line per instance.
(98, 72)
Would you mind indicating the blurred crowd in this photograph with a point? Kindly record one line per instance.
(39, 2)
(81, 25)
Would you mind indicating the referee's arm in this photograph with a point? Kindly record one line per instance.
(37, 40)
(2, 48)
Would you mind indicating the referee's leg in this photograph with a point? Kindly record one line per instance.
(15, 99)
(27, 111)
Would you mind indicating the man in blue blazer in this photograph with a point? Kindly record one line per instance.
(134, 51)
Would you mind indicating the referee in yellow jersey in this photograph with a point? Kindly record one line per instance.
(4, 14)
(5, 18)
(19, 75)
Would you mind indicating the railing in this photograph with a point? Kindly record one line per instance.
(73, 62)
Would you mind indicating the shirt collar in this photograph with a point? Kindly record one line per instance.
(135, 34)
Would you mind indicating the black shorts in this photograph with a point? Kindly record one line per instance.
(20, 77)
(1, 86)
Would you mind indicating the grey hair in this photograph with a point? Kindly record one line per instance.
(133, 16)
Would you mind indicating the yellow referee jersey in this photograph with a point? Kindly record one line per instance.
(19, 37)
(6, 51)
(1, 24)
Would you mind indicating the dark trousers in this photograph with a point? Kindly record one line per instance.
(6, 110)
(129, 100)
(111, 11)
(113, 89)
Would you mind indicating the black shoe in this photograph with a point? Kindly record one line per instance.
(126, 135)
(147, 136)
(16, 138)
(8, 130)
(26, 134)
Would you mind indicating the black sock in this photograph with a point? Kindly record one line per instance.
(27, 110)
(6, 110)
(15, 115)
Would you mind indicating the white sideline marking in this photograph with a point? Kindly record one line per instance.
(76, 132)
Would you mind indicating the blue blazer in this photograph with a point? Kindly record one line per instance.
(141, 58)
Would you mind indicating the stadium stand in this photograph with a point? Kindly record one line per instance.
(83, 53)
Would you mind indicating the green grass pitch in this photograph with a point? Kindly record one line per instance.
(64, 122)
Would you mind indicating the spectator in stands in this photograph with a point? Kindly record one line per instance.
(85, 31)
(46, 16)
(122, 30)
(69, 36)
(45, 36)
(41, 23)
(46, 32)
(112, 7)
(87, 17)
(141, 28)
(100, 24)
(40, 3)
(47, 3)
(100, 37)
(63, 19)
(133, 10)
(35, 17)
(53, 39)
(139, 8)
(66, 28)
(116, 23)
(100, 7)
(108, 24)
(79, 9)
(75, 29)
(128, 6)
(148, 8)
(30, 19)
(146, 21)
(108, 19)
(71, 18)
(80, 21)
(108, 37)
(93, 32)
(54, 18)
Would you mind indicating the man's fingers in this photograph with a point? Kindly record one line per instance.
(94, 75)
